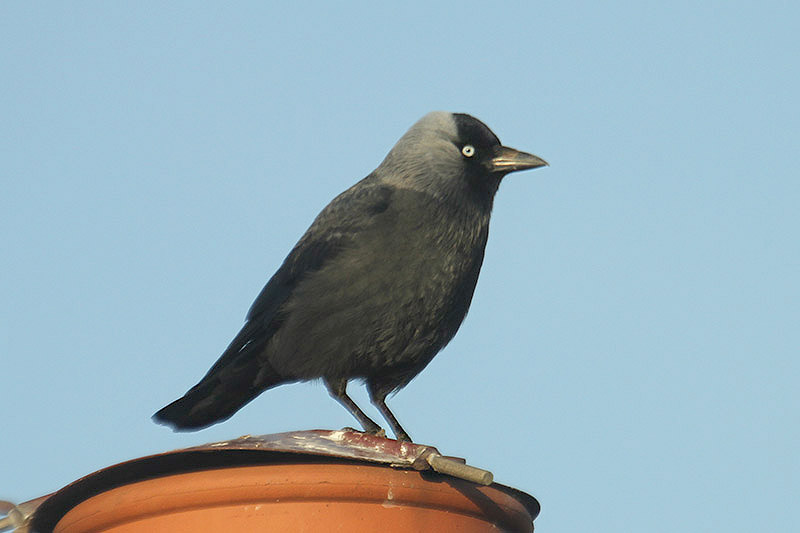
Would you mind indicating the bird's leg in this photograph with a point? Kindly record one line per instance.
(338, 389)
(378, 397)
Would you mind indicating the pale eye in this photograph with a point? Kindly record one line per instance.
(468, 150)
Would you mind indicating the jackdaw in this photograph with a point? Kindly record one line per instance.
(379, 283)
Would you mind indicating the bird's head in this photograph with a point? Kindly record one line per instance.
(447, 152)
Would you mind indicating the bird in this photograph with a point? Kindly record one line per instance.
(378, 284)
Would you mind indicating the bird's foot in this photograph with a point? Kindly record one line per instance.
(403, 436)
(378, 432)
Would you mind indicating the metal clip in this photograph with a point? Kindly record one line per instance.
(14, 516)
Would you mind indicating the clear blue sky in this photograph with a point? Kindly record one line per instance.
(631, 355)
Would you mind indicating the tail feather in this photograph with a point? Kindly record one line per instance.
(219, 395)
(202, 407)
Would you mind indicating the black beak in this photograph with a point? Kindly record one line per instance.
(507, 160)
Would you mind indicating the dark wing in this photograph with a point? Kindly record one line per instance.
(334, 229)
(242, 373)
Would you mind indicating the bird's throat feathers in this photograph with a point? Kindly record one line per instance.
(471, 196)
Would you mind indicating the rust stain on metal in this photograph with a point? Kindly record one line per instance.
(345, 444)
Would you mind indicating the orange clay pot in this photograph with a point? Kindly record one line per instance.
(299, 497)
(315, 480)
